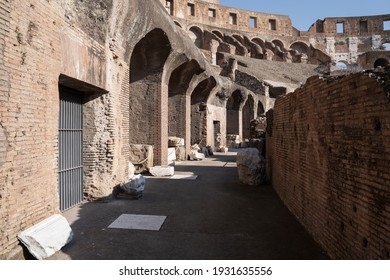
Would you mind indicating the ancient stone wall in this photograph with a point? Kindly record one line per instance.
(219, 16)
(328, 158)
(272, 37)
(28, 116)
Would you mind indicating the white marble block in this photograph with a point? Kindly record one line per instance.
(47, 237)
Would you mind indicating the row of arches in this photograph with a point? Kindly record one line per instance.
(255, 47)
(170, 96)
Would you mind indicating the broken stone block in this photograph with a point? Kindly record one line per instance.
(135, 186)
(251, 167)
(194, 154)
(47, 237)
(180, 153)
(161, 171)
(141, 156)
(223, 149)
(171, 154)
(175, 142)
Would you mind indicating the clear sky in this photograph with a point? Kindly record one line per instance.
(304, 13)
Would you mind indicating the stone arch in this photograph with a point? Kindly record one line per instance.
(381, 62)
(179, 101)
(259, 42)
(196, 34)
(199, 99)
(218, 34)
(146, 119)
(248, 114)
(233, 113)
(178, 24)
(278, 43)
(260, 109)
(239, 38)
(300, 47)
(341, 65)
(386, 46)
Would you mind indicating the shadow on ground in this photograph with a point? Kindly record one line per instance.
(213, 217)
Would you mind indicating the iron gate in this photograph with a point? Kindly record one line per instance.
(70, 142)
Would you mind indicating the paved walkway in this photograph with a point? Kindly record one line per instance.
(212, 217)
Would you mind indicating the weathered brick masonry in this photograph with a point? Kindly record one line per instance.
(329, 160)
(28, 116)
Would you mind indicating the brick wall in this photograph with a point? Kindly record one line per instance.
(328, 155)
(28, 116)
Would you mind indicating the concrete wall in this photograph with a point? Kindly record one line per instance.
(328, 159)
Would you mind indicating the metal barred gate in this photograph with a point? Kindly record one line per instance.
(70, 142)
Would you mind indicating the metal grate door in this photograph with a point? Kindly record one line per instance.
(70, 141)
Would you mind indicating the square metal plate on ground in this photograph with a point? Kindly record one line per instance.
(140, 222)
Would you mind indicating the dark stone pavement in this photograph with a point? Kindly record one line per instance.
(213, 217)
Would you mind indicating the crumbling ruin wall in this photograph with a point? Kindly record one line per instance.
(328, 158)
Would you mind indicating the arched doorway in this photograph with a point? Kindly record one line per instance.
(233, 113)
(199, 110)
(381, 62)
(146, 117)
(248, 114)
(260, 109)
(196, 35)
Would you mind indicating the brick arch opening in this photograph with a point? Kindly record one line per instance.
(233, 113)
(239, 38)
(259, 42)
(300, 47)
(386, 46)
(279, 44)
(218, 34)
(196, 34)
(179, 101)
(381, 62)
(260, 109)
(199, 99)
(341, 65)
(147, 121)
(248, 114)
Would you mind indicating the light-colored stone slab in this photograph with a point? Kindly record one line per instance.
(138, 222)
(184, 177)
(161, 171)
(47, 237)
(135, 186)
(171, 154)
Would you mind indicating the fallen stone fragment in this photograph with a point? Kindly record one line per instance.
(47, 237)
(135, 186)
(194, 154)
(161, 171)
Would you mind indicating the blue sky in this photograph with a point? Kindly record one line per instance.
(304, 13)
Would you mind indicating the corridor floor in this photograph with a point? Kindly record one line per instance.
(213, 217)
